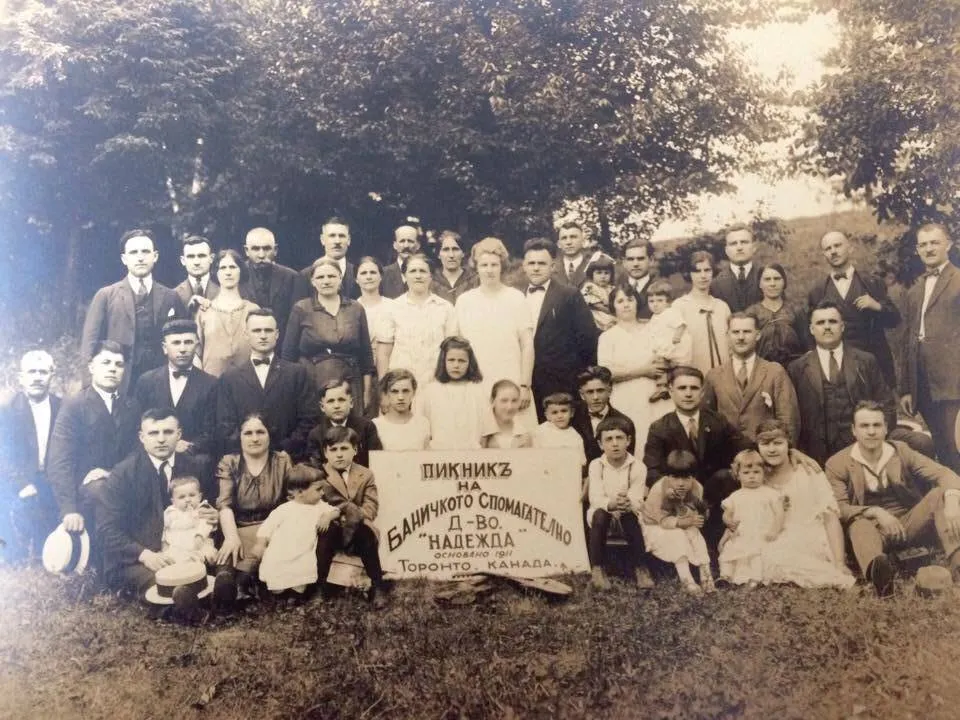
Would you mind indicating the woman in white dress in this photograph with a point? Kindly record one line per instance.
(415, 324)
(809, 552)
(221, 326)
(704, 315)
(496, 320)
(626, 350)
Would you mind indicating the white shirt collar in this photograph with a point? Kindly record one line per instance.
(107, 397)
(156, 463)
(628, 461)
(135, 282)
(939, 269)
(735, 268)
(874, 474)
(269, 357)
(545, 285)
(37, 404)
(749, 362)
(824, 355)
(684, 419)
(639, 283)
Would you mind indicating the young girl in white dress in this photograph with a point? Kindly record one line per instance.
(454, 403)
(186, 536)
(287, 539)
(754, 516)
(673, 515)
(398, 427)
(505, 430)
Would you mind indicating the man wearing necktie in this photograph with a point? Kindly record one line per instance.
(594, 386)
(891, 496)
(637, 264)
(862, 299)
(198, 289)
(738, 284)
(131, 312)
(406, 242)
(133, 501)
(94, 430)
(747, 389)
(830, 380)
(186, 388)
(931, 352)
(570, 265)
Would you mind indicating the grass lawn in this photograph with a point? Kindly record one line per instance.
(66, 652)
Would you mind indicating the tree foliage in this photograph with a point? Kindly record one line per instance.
(887, 120)
(485, 115)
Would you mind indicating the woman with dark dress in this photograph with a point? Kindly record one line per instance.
(782, 325)
(329, 334)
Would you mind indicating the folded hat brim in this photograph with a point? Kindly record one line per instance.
(153, 596)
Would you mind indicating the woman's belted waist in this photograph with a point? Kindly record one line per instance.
(330, 355)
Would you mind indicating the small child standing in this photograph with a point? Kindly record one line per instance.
(187, 537)
(673, 514)
(505, 431)
(353, 490)
(754, 516)
(616, 485)
(398, 428)
(454, 403)
(287, 539)
(667, 332)
(555, 431)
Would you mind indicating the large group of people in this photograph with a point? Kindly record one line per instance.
(229, 421)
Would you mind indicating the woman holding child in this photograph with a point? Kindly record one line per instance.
(627, 350)
(252, 484)
(809, 550)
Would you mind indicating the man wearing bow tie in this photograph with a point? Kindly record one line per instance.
(594, 385)
(738, 284)
(132, 311)
(565, 336)
(187, 389)
(930, 366)
(863, 302)
(884, 493)
(281, 391)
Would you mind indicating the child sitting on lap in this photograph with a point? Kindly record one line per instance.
(667, 332)
(287, 539)
(754, 516)
(616, 485)
(187, 537)
(673, 514)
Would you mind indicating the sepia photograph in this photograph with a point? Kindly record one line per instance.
(468, 359)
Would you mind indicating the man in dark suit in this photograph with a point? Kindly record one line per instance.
(335, 239)
(748, 389)
(709, 436)
(406, 242)
(198, 289)
(889, 495)
(269, 284)
(637, 262)
(594, 385)
(569, 267)
(282, 391)
(931, 381)
(187, 389)
(29, 510)
(95, 429)
(830, 380)
(132, 312)
(565, 336)
(132, 503)
(863, 301)
(738, 285)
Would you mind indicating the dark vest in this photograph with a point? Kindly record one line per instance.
(145, 331)
(837, 411)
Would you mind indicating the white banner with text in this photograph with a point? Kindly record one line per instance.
(515, 512)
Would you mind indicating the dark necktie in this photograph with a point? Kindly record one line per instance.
(742, 376)
(114, 404)
(840, 276)
(141, 290)
(535, 289)
(257, 362)
(692, 429)
(741, 273)
(834, 367)
(162, 474)
(197, 288)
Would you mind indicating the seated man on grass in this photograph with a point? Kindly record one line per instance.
(891, 496)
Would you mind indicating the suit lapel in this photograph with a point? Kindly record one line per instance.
(755, 381)
(355, 479)
(25, 420)
(336, 479)
(813, 374)
(850, 370)
(127, 302)
(249, 376)
(549, 304)
(273, 377)
(939, 286)
(702, 435)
